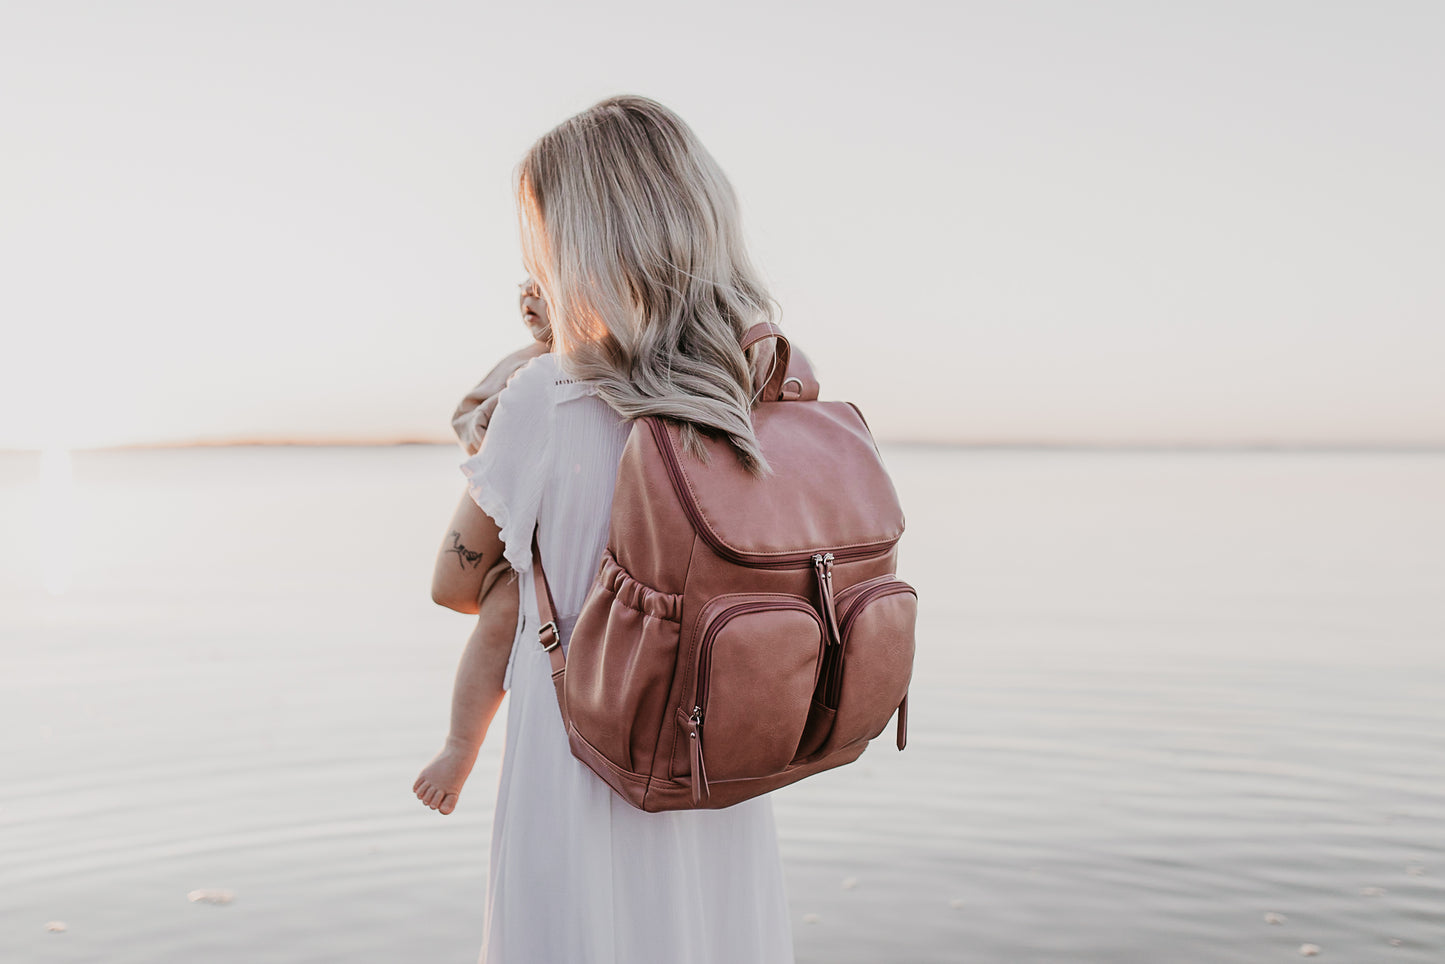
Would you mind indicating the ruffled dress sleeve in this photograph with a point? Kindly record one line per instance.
(507, 476)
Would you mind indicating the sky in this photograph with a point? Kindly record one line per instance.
(1018, 222)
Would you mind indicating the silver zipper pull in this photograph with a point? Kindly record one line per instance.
(823, 567)
(699, 765)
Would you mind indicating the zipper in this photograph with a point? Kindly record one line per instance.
(857, 597)
(823, 568)
(699, 771)
(886, 585)
(704, 667)
(792, 560)
(704, 672)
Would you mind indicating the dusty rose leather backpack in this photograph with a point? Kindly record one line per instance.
(740, 633)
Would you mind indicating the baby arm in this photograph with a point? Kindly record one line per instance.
(477, 692)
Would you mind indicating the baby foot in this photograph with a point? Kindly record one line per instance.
(440, 783)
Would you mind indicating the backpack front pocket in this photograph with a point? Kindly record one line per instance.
(756, 663)
(865, 679)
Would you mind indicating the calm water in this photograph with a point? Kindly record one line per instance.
(1158, 697)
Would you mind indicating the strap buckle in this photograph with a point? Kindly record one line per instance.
(556, 637)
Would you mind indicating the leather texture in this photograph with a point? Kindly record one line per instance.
(740, 633)
(838, 494)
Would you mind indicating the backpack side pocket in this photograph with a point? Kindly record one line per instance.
(619, 681)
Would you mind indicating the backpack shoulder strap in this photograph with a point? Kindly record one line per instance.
(548, 635)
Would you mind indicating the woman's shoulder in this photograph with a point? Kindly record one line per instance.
(545, 378)
(535, 397)
(531, 387)
(539, 371)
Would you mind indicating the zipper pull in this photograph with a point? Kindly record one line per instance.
(699, 772)
(823, 569)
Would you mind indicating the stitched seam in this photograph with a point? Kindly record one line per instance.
(624, 774)
(619, 601)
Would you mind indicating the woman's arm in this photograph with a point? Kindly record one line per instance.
(473, 544)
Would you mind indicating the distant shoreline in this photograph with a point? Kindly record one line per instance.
(1279, 447)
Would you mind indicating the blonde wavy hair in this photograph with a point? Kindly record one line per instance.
(632, 231)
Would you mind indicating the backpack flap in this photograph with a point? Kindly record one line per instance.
(829, 491)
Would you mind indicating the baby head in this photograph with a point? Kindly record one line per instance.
(534, 312)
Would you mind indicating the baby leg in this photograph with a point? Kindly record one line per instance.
(477, 692)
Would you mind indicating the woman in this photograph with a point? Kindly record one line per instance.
(632, 232)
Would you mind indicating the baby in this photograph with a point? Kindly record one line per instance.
(440, 782)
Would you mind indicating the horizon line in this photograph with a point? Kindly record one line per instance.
(1236, 445)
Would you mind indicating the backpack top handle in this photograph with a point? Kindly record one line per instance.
(779, 379)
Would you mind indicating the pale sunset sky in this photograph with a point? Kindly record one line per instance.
(986, 222)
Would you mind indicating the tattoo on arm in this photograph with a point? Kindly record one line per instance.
(465, 556)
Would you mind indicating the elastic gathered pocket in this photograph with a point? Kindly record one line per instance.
(756, 664)
(618, 682)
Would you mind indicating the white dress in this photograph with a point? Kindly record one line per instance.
(577, 875)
